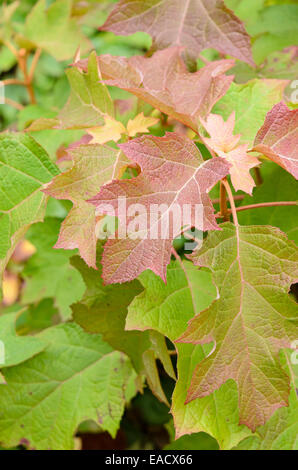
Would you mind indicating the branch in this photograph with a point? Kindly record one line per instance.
(22, 60)
(34, 64)
(223, 202)
(260, 205)
(14, 104)
(231, 199)
(267, 204)
(240, 197)
(13, 81)
(10, 47)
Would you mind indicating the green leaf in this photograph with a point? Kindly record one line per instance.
(54, 30)
(280, 65)
(251, 102)
(88, 104)
(89, 99)
(167, 309)
(48, 272)
(196, 441)
(264, 24)
(37, 317)
(103, 309)
(77, 377)
(24, 168)
(251, 321)
(17, 349)
(278, 185)
(281, 431)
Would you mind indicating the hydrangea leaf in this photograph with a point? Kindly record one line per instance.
(281, 431)
(193, 24)
(251, 102)
(17, 349)
(54, 30)
(167, 309)
(196, 441)
(185, 179)
(103, 310)
(278, 185)
(24, 168)
(270, 33)
(112, 130)
(226, 145)
(89, 100)
(93, 166)
(159, 79)
(48, 272)
(73, 380)
(140, 124)
(88, 104)
(78, 230)
(277, 138)
(254, 317)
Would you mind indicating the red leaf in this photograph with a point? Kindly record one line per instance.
(173, 175)
(278, 137)
(193, 24)
(164, 82)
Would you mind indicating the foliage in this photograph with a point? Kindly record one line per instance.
(148, 264)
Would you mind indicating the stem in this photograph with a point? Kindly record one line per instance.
(223, 202)
(260, 205)
(22, 60)
(10, 47)
(259, 179)
(231, 199)
(267, 204)
(13, 81)
(14, 104)
(34, 64)
(236, 198)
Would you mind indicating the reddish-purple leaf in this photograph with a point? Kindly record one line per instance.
(193, 24)
(164, 82)
(174, 178)
(278, 137)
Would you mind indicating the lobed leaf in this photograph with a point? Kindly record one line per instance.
(164, 82)
(251, 102)
(185, 179)
(74, 379)
(277, 138)
(24, 168)
(193, 24)
(54, 30)
(17, 349)
(167, 309)
(254, 317)
(93, 166)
